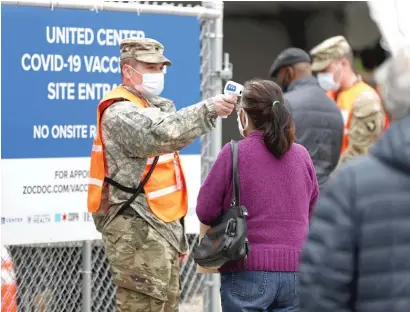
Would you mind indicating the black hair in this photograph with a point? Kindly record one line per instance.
(264, 103)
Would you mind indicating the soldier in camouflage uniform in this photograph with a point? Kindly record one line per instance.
(360, 104)
(144, 251)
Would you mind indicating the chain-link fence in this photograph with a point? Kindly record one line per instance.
(55, 277)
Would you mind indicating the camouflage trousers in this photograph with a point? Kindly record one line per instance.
(145, 267)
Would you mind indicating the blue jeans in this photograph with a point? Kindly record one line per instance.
(259, 291)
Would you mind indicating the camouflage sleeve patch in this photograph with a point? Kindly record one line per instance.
(146, 132)
(366, 124)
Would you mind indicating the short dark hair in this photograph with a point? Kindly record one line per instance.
(264, 103)
(128, 61)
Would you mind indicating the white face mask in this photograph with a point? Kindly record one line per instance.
(153, 83)
(242, 129)
(326, 81)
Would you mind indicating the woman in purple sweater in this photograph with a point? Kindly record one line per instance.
(279, 189)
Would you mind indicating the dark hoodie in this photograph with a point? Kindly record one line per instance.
(357, 257)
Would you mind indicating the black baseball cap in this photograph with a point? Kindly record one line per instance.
(288, 57)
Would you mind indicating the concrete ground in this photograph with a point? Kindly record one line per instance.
(195, 305)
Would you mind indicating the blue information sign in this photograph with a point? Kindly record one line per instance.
(56, 65)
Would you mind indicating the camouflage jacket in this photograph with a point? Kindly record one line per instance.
(131, 134)
(366, 124)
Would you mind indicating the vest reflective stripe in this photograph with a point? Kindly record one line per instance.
(95, 181)
(162, 192)
(165, 190)
(345, 115)
(96, 148)
(165, 199)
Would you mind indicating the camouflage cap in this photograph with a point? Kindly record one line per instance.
(144, 50)
(324, 53)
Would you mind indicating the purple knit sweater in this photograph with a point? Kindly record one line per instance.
(279, 195)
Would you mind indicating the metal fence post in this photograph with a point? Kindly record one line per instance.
(212, 302)
(87, 277)
(217, 54)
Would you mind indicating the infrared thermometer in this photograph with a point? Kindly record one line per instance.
(233, 88)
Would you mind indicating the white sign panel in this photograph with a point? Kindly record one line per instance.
(47, 200)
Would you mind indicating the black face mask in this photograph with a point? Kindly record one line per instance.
(284, 85)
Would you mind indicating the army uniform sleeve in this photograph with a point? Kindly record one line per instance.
(146, 132)
(366, 124)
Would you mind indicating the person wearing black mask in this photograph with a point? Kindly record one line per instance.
(318, 120)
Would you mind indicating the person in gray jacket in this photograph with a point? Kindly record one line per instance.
(357, 254)
(318, 120)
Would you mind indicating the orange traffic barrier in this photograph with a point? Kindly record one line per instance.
(8, 286)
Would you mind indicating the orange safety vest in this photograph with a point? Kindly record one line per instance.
(345, 100)
(165, 190)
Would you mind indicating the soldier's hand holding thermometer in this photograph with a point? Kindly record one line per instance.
(225, 103)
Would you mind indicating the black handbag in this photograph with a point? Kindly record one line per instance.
(226, 240)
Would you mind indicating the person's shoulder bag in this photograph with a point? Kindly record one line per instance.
(226, 240)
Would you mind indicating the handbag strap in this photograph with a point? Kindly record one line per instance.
(236, 196)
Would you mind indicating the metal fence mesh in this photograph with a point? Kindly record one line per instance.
(48, 278)
(103, 290)
(41, 278)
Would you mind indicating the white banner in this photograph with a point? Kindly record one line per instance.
(45, 200)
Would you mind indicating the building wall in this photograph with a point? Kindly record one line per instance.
(252, 46)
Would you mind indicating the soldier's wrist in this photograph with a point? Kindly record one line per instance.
(211, 107)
